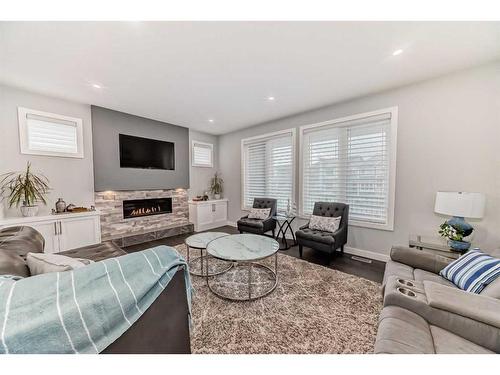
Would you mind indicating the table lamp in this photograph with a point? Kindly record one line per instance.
(460, 205)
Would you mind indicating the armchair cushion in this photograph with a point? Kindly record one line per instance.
(259, 213)
(316, 236)
(255, 223)
(324, 223)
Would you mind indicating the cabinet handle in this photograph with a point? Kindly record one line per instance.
(60, 227)
(213, 207)
(55, 228)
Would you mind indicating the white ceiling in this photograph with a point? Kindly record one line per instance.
(189, 72)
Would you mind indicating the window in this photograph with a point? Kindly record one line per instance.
(352, 160)
(268, 165)
(202, 155)
(42, 133)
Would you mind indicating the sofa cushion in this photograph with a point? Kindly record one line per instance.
(21, 240)
(316, 236)
(13, 264)
(404, 332)
(421, 275)
(255, 223)
(493, 289)
(98, 252)
(446, 342)
(40, 263)
(473, 271)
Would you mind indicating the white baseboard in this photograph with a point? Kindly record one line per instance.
(367, 254)
(232, 224)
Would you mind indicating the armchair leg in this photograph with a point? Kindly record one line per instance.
(241, 232)
(342, 249)
(274, 229)
(300, 251)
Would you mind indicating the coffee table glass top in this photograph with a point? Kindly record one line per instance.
(242, 247)
(201, 240)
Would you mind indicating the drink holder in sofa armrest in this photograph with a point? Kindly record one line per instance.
(419, 259)
(416, 299)
(474, 306)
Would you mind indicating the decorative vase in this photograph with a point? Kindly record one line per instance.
(29, 211)
(216, 196)
(459, 245)
(60, 205)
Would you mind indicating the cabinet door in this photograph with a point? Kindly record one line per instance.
(78, 232)
(220, 213)
(48, 231)
(204, 214)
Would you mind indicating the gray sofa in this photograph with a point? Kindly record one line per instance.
(425, 313)
(162, 329)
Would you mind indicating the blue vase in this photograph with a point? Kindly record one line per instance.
(459, 245)
(459, 223)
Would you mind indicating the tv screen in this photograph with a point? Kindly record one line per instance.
(144, 153)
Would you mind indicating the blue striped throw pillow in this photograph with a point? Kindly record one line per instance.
(473, 271)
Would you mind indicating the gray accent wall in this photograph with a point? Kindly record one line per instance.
(108, 124)
(448, 139)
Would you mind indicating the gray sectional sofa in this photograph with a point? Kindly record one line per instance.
(425, 313)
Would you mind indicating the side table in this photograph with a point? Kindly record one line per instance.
(433, 244)
(284, 224)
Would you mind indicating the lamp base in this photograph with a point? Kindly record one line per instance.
(459, 223)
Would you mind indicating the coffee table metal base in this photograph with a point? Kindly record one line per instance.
(203, 259)
(251, 266)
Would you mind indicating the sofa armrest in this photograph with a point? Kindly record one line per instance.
(419, 259)
(470, 305)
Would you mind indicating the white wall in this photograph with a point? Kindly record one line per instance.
(200, 176)
(448, 139)
(70, 178)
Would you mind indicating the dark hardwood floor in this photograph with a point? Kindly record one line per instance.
(368, 269)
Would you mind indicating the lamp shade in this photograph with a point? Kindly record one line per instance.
(460, 204)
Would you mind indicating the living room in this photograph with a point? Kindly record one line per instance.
(250, 187)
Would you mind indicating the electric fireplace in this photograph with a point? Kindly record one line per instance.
(146, 207)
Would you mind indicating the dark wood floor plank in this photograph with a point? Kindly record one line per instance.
(372, 271)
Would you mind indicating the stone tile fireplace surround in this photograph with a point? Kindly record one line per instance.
(134, 230)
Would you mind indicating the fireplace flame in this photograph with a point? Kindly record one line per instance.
(145, 211)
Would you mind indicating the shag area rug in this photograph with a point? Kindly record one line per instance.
(313, 309)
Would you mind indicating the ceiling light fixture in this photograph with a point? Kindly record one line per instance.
(397, 52)
(271, 98)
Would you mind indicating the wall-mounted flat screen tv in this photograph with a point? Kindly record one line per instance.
(145, 153)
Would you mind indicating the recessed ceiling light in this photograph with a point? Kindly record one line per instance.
(397, 52)
(211, 120)
(96, 86)
(271, 98)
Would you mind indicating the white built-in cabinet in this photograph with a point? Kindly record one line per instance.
(62, 232)
(208, 214)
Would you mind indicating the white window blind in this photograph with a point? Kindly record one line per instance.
(44, 133)
(202, 155)
(350, 162)
(268, 165)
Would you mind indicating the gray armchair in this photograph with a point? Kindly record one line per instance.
(325, 241)
(257, 226)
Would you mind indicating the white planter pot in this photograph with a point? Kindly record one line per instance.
(216, 196)
(29, 211)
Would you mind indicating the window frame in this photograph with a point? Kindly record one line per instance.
(265, 136)
(389, 225)
(23, 133)
(210, 146)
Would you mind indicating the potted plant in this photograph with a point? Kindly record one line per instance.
(455, 236)
(216, 186)
(26, 187)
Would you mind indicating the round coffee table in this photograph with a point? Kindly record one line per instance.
(200, 241)
(247, 280)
